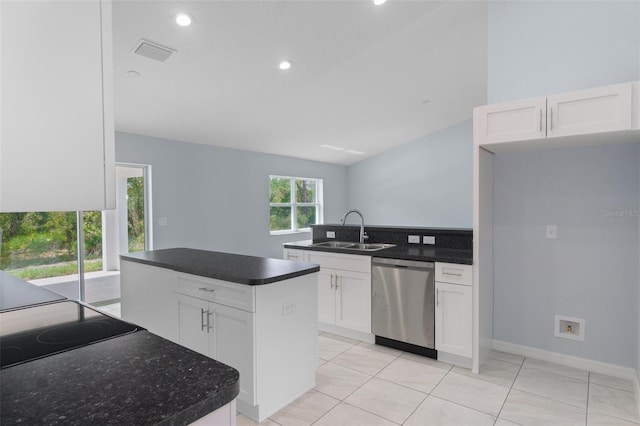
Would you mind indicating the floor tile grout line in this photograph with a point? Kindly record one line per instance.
(510, 389)
(556, 373)
(416, 409)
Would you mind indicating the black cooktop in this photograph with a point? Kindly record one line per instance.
(34, 332)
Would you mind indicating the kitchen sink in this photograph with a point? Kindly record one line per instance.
(353, 246)
(334, 244)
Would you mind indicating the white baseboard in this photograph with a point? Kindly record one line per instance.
(568, 360)
(345, 332)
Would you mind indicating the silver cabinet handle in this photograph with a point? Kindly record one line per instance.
(451, 274)
(202, 324)
(336, 281)
(210, 319)
(437, 297)
(331, 280)
(540, 119)
(550, 118)
(210, 290)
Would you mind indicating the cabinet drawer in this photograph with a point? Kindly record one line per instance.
(225, 293)
(453, 273)
(293, 254)
(343, 262)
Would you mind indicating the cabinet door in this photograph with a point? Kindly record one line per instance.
(603, 109)
(326, 295)
(510, 121)
(232, 343)
(453, 319)
(353, 301)
(57, 119)
(193, 331)
(293, 254)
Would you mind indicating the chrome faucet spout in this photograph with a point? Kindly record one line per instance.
(344, 219)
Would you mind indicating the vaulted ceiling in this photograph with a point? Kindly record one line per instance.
(364, 79)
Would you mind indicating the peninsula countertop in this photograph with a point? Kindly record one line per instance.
(15, 293)
(136, 378)
(237, 268)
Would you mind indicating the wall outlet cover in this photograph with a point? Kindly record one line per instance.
(414, 239)
(428, 239)
(162, 221)
(552, 232)
(331, 234)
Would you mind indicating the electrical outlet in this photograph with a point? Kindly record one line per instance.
(331, 234)
(414, 239)
(428, 239)
(162, 221)
(552, 232)
(288, 308)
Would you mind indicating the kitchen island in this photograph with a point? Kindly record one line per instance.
(257, 315)
(134, 378)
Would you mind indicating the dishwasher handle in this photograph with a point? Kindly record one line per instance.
(401, 263)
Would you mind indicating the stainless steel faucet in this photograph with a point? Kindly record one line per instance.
(344, 219)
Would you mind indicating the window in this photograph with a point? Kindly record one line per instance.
(294, 204)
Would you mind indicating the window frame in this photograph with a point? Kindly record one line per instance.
(294, 205)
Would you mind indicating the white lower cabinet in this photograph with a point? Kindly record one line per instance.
(268, 332)
(219, 332)
(344, 290)
(454, 309)
(353, 300)
(293, 254)
(137, 282)
(453, 319)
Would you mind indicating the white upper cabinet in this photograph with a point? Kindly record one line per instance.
(603, 109)
(504, 122)
(586, 112)
(56, 115)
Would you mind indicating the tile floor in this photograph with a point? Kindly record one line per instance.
(363, 384)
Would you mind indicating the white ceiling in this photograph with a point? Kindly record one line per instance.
(365, 78)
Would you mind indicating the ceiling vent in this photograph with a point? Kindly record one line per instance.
(153, 50)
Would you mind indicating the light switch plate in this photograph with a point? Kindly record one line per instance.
(414, 239)
(428, 239)
(552, 232)
(331, 234)
(162, 221)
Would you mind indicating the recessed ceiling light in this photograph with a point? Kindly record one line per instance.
(379, 2)
(183, 19)
(133, 74)
(333, 147)
(285, 65)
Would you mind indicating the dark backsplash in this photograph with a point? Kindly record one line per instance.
(445, 238)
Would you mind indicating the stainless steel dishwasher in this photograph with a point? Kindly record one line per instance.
(403, 308)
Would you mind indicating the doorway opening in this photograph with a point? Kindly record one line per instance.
(76, 254)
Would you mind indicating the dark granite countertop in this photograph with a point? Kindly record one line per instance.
(15, 293)
(417, 252)
(237, 268)
(134, 379)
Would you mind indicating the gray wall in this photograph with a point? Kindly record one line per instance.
(539, 48)
(427, 182)
(590, 271)
(217, 198)
(543, 47)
